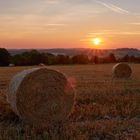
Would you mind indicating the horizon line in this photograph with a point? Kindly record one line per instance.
(69, 48)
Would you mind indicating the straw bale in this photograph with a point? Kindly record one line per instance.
(41, 96)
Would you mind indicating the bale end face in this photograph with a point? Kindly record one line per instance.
(122, 70)
(41, 96)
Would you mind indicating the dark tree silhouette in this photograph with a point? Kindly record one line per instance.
(4, 57)
(34, 57)
(126, 58)
(62, 59)
(134, 59)
(80, 59)
(111, 58)
(94, 59)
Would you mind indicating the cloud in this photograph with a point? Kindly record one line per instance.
(134, 23)
(114, 33)
(113, 7)
(53, 1)
(55, 24)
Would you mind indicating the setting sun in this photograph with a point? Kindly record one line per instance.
(97, 41)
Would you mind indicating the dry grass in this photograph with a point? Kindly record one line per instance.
(105, 108)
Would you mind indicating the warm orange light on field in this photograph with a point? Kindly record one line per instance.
(97, 41)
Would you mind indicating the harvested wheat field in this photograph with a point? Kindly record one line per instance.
(104, 108)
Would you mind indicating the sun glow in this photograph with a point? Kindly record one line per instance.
(97, 41)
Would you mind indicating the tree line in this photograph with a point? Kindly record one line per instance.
(34, 57)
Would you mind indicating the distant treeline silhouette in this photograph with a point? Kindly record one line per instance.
(34, 57)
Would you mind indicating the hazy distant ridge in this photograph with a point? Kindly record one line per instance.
(74, 51)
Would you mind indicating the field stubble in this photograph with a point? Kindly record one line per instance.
(105, 108)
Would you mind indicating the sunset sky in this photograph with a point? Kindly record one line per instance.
(69, 23)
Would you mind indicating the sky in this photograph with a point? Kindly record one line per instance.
(69, 23)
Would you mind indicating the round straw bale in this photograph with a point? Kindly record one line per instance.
(41, 96)
(122, 70)
(11, 65)
(42, 65)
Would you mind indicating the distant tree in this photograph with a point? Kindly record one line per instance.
(62, 59)
(126, 58)
(138, 59)
(35, 57)
(4, 57)
(32, 57)
(134, 59)
(51, 59)
(67, 59)
(44, 58)
(47, 58)
(18, 60)
(94, 59)
(80, 59)
(111, 58)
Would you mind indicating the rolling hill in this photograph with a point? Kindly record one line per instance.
(74, 51)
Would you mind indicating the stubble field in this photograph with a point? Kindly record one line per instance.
(105, 108)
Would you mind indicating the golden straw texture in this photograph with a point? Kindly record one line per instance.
(41, 96)
(122, 70)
